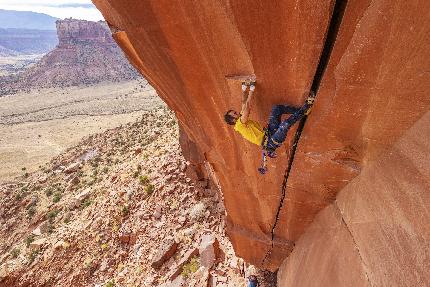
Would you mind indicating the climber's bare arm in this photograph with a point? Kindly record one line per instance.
(246, 106)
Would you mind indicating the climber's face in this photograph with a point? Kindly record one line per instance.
(234, 114)
(231, 117)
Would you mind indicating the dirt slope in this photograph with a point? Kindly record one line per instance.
(99, 214)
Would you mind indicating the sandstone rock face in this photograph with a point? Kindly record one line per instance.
(71, 32)
(371, 92)
(376, 232)
(166, 251)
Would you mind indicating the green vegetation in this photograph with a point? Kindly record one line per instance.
(144, 179)
(32, 256)
(31, 211)
(86, 203)
(110, 284)
(125, 210)
(149, 189)
(191, 267)
(48, 191)
(28, 240)
(22, 193)
(15, 253)
(57, 197)
(52, 214)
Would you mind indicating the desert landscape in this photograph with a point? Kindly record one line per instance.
(41, 124)
(106, 181)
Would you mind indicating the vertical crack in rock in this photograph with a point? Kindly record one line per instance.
(333, 28)
(366, 272)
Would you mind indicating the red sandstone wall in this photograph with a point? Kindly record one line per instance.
(373, 90)
(186, 48)
(376, 233)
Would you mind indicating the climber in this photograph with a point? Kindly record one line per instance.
(252, 281)
(274, 135)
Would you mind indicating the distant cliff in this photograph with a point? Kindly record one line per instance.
(26, 41)
(26, 20)
(86, 54)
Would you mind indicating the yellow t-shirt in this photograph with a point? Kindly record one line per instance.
(251, 131)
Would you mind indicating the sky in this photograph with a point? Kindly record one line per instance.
(78, 9)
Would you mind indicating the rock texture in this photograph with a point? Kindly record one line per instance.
(86, 54)
(372, 91)
(376, 232)
(109, 238)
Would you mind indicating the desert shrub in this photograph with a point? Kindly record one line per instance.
(15, 252)
(125, 210)
(28, 240)
(52, 214)
(143, 179)
(191, 267)
(56, 198)
(50, 228)
(48, 191)
(32, 256)
(31, 211)
(149, 189)
(86, 203)
(110, 284)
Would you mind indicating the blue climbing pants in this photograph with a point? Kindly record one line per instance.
(278, 130)
(252, 283)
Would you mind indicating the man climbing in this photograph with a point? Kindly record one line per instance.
(274, 135)
(252, 281)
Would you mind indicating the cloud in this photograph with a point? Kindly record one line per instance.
(78, 9)
(73, 5)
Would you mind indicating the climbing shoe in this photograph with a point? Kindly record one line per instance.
(271, 154)
(310, 102)
(244, 87)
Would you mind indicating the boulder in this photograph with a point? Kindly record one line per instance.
(166, 251)
(37, 244)
(41, 229)
(209, 250)
(158, 212)
(178, 282)
(177, 268)
(80, 198)
(74, 167)
(128, 237)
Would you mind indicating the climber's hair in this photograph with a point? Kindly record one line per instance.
(229, 119)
